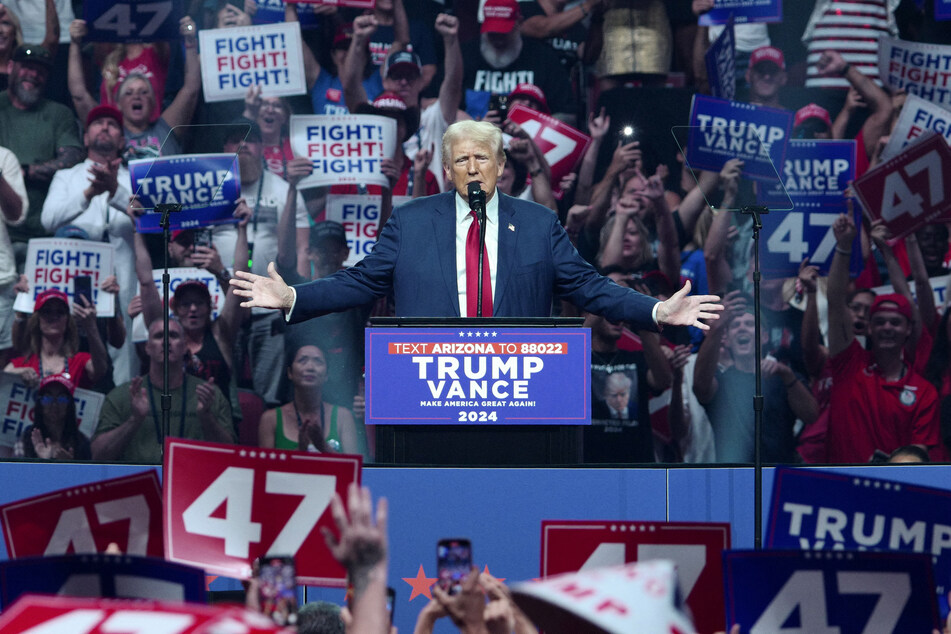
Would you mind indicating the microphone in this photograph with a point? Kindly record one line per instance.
(477, 200)
(477, 204)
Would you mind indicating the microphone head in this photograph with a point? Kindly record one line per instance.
(475, 194)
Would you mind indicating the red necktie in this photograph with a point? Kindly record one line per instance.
(472, 273)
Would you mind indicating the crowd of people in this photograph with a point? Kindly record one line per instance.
(631, 207)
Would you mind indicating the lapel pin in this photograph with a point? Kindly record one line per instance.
(511, 227)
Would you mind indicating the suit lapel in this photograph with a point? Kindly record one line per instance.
(444, 237)
(508, 238)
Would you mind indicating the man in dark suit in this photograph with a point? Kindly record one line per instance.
(528, 256)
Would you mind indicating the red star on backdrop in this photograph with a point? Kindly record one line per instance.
(486, 572)
(209, 579)
(421, 584)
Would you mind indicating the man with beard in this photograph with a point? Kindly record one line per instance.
(502, 59)
(269, 197)
(40, 132)
(93, 195)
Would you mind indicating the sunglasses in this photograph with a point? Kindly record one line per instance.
(49, 400)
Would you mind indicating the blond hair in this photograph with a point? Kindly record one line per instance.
(479, 132)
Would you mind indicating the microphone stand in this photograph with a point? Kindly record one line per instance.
(165, 210)
(481, 213)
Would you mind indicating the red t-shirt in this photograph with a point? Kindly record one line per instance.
(148, 63)
(277, 156)
(76, 367)
(868, 413)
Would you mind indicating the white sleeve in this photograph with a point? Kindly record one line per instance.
(13, 174)
(63, 204)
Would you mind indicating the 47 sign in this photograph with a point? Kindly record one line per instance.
(132, 20)
(226, 505)
(570, 546)
(909, 190)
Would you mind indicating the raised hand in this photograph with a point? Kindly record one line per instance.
(447, 25)
(205, 393)
(138, 399)
(598, 125)
(261, 291)
(683, 309)
(362, 542)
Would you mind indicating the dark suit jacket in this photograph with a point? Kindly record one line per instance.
(415, 256)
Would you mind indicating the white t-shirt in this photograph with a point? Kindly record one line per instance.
(10, 167)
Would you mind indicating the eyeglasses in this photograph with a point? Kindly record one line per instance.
(861, 309)
(49, 400)
(53, 314)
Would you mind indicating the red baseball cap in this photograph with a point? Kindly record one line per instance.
(48, 296)
(768, 54)
(343, 35)
(57, 378)
(104, 110)
(500, 16)
(534, 93)
(812, 111)
(896, 303)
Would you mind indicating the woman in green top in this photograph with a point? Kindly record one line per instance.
(307, 422)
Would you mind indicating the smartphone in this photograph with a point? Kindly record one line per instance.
(82, 287)
(453, 562)
(500, 103)
(627, 133)
(202, 238)
(277, 589)
(390, 602)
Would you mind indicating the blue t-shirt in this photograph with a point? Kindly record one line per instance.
(327, 93)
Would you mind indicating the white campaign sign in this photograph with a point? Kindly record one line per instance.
(56, 262)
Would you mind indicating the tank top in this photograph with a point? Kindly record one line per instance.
(281, 441)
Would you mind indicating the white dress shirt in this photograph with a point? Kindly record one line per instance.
(464, 220)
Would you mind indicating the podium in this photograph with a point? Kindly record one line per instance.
(541, 363)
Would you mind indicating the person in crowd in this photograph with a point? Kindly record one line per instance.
(766, 76)
(909, 454)
(812, 121)
(880, 401)
(404, 260)
(308, 422)
(339, 335)
(402, 75)
(130, 423)
(41, 133)
(272, 115)
(54, 342)
(269, 198)
(392, 20)
(54, 434)
(933, 243)
(562, 27)
(148, 58)
(13, 207)
(727, 394)
(11, 36)
(502, 58)
(92, 195)
(146, 135)
(747, 37)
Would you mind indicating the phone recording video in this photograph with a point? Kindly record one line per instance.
(277, 589)
(501, 104)
(453, 562)
(82, 287)
(627, 133)
(202, 238)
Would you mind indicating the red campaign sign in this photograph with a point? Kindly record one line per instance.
(227, 505)
(909, 190)
(87, 518)
(562, 145)
(695, 547)
(95, 616)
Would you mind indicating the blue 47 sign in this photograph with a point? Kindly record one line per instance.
(815, 175)
(132, 20)
(794, 592)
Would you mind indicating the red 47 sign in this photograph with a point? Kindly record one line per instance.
(909, 190)
(46, 615)
(569, 546)
(87, 518)
(562, 145)
(227, 505)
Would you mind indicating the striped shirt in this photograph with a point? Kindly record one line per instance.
(851, 27)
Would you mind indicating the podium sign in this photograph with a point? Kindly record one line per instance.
(478, 375)
(846, 592)
(696, 548)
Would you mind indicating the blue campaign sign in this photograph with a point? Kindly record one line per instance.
(824, 592)
(721, 64)
(100, 575)
(942, 9)
(815, 176)
(484, 374)
(743, 11)
(819, 510)
(132, 20)
(206, 185)
(722, 130)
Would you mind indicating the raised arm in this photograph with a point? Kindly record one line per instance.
(840, 326)
(450, 91)
(668, 247)
(180, 111)
(597, 127)
(705, 384)
(923, 291)
(546, 25)
(83, 102)
(896, 275)
(350, 75)
(311, 65)
(51, 37)
(814, 354)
